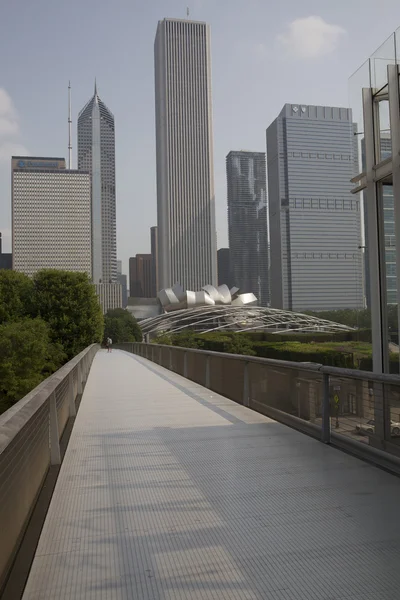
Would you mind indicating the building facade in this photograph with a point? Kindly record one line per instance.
(248, 222)
(315, 226)
(123, 281)
(184, 140)
(51, 216)
(140, 276)
(109, 295)
(154, 261)
(5, 257)
(96, 154)
(224, 268)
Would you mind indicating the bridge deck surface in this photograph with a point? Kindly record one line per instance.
(169, 491)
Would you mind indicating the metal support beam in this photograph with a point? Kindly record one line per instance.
(374, 249)
(394, 113)
(326, 411)
(208, 378)
(246, 385)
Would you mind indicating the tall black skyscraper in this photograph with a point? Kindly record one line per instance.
(248, 222)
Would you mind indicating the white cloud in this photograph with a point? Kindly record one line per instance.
(8, 149)
(311, 37)
(9, 129)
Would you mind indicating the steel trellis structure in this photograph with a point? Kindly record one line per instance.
(237, 318)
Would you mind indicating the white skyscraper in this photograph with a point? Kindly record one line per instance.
(51, 216)
(96, 154)
(185, 173)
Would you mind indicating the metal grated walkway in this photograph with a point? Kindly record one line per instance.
(169, 491)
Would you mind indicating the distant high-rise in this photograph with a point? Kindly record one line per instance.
(123, 281)
(224, 268)
(51, 216)
(5, 257)
(315, 227)
(140, 276)
(185, 173)
(248, 222)
(96, 154)
(154, 260)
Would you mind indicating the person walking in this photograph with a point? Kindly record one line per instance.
(109, 344)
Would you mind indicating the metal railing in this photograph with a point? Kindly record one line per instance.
(356, 410)
(30, 433)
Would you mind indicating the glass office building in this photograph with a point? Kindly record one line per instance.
(375, 100)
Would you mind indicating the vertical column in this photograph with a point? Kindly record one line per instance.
(55, 456)
(207, 383)
(71, 395)
(79, 379)
(246, 390)
(376, 260)
(394, 113)
(326, 410)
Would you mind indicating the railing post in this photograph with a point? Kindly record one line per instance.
(79, 374)
(71, 394)
(326, 411)
(55, 456)
(170, 358)
(152, 354)
(185, 369)
(246, 387)
(208, 382)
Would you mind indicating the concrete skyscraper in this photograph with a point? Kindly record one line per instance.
(96, 154)
(315, 226)
(51, 216)
(185, 174)
(248, 222)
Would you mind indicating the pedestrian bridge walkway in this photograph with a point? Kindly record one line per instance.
(169, 491)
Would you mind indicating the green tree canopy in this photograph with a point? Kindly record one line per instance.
(67, 301)
(26, 357)
(121, 326)
(16, 296)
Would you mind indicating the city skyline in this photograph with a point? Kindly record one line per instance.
(187, 245)
(260, 53)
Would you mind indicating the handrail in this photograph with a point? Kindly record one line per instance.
(30, 433)
(304, 366)
(370, 394)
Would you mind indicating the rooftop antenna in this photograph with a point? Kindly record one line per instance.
(187, 12)
(69, 127)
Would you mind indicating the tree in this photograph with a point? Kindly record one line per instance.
(25, 351)
(68, 303)
(121, 326)
(16, 296)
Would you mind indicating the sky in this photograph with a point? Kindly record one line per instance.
(264, 54)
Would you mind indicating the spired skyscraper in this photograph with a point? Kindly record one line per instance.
(185, 174)
(96, 154)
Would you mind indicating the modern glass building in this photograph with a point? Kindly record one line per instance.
(51, 216)
(375, 99)
(248, 222)
(185, 174)
(315, 222)
(96, 154)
